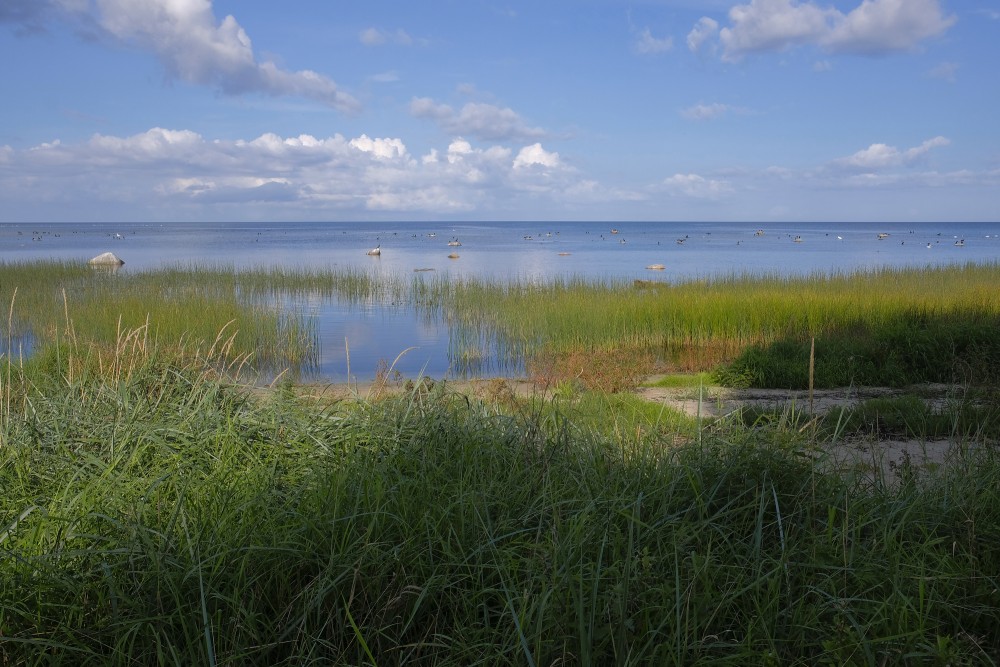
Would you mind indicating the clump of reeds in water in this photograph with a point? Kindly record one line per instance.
(180, 310)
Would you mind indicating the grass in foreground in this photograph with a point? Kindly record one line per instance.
(169, 517)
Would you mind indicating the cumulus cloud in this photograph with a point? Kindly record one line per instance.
(882, 156)
(163, 169)
(883, 26)
(535, 155)
(704, 30)
(484, 121)
(381, 148)
(189, 41)
(773, 25)
(875, 27)
(647, 44)
(696, 186)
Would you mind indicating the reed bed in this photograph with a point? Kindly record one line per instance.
(702, 324)
(169, 517)
(932, 324)
(54, 303)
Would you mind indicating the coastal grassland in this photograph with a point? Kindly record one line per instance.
(169, 516)
(882, 327)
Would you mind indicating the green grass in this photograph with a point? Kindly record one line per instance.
(684, 381)
(887, 326)
(196, 311)
(163, 515)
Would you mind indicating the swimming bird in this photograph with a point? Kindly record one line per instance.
(376, 251)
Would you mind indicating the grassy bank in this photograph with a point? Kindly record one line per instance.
(165, 515)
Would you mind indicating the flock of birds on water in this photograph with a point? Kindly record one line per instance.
(37, 236)
(881, 236)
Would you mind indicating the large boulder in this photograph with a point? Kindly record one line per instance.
(107, 259)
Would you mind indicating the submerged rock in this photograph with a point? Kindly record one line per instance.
(107, 259)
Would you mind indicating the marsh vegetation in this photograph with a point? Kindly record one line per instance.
(157, 508)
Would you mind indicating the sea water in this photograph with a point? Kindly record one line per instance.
(354, 338)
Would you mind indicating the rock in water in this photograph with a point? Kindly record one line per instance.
(107, 259)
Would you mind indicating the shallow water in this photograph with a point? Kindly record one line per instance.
(355, 337)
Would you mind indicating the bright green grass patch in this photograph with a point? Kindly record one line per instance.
(684, 381)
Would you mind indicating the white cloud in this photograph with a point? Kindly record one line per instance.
(883, 26)
(476, 119)
(709, 111)
(648, 44)
(372, 37)
(773, 25)
(458, 148)
(875, 27)
(191, 44)
(377, 37)
(535, 155)
(703, 30)
(166, 170)
(380, 148)
(230, 190)
(882, 156)
(822, 66)
(698, 187)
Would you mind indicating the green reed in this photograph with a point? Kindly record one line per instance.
(697, 324)
(180, 309)
(168, 517)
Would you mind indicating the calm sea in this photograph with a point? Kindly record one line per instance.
(364, 334)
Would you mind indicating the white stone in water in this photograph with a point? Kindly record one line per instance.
(107, 259)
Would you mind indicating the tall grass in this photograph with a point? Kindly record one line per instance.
(938, 317)
(169, 517)
(58, 302)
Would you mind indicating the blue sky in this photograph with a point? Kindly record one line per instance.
(751, 110)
